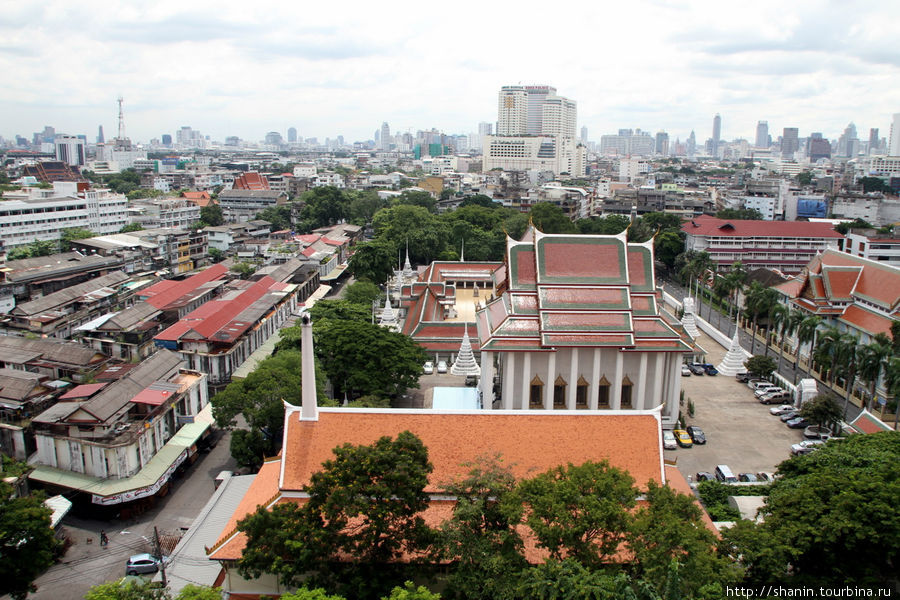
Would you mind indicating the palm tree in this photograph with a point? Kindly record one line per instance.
(806, 334)
(873, 359)
(785, 321)
(699, 265)
(892, 384)
(826, 351)
(731, 283)
(759, 302)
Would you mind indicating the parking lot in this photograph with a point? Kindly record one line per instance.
(740, 432)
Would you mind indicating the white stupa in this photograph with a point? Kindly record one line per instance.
(465, 360)
(388, 317)
(733, 363)
(687, 320)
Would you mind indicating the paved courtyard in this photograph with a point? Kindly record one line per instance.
(740, 431)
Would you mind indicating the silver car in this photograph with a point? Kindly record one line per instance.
(141, 563)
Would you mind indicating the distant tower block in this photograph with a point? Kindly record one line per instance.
(733, 363)
(465, 360)
(687, 321)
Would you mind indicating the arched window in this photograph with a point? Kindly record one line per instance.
(536, 393)
(627, 387)
(581, 393)
(603, 393)
(559, 392)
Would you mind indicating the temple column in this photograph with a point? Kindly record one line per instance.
(659, 375)
(594, 384)
(551, 379)
(615, 402)
(671, 408)
(641, 397)
(572, 390)
(526, 383)
(487, 380)
(509, 382)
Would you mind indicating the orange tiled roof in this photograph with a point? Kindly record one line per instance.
(866, 320)
(531, 441)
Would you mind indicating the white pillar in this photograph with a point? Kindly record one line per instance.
(551, 379)
(573, 380)
(659, 375)
(671, 409)
(594, 384)
(487, 380)
(615, 402)
(525, 397)
(509, 383)
(639, 400)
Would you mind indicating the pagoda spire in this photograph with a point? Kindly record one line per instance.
(388, 316)
(465, 360)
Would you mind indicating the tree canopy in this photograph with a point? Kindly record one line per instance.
(27, 543)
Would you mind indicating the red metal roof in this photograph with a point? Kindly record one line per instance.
(83, 391)
(151, 396)
(706, 225)
(162, 294)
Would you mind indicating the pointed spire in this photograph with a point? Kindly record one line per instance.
(309, 407)
(407, 268)
(733, 362)
(465, 360)
(687, 321)
(462, 251)
(388, 317)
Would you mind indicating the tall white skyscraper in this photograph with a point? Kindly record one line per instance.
(894, 147)
(70, 150)
(385, 139)
(762, 134)
(512, 110)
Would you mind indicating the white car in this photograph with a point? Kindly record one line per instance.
(442, 366)
(428, 368)
(669, 441)
(768, 391)
(685, 371)
(805, 447)
(780, 410)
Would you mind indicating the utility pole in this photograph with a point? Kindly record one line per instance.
(162, 562)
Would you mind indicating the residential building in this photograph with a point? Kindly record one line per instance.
(894, 144)
(218, 336)
(70, 150)
(782, 245)
(181, 250)
(27, 278)
(875, 246)
(874, 208)
(57, 359)
(627, 143)
(156, 213)
(240, 206)
(125, 441)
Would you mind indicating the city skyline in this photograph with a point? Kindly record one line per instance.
(813, 65)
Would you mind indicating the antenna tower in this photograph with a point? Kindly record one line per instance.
(121, 119)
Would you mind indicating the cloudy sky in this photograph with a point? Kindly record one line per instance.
(342, 67)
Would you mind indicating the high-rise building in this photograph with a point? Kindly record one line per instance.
(894, 146)
(292, 135)
(584, 133)
(691, 144)
(485, 128)
(385, 138)
(273, 138)
(558, 117)
(762, 134)
(790, 142)
(101, 139)
(512, 110)
(817, 147)
(716, 134)
(70, 150)
(848, 143)
(166, 139)
(662, 143)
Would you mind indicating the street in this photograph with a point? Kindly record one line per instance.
(86, 563)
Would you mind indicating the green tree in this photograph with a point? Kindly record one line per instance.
(362, 292)
(873, 360)
(822, 411)
(363, 514)
(570, 580)
(414, 198)
(128, 590)
(322, 207)
(67, 236)
(740, 214)
(481, 539)
(211, 215)
(308, 594)
(374, 261)
(131, 227)
(806, 334)
(785, 321)
(279, 216)
(846, 226)
(669, 528)
(579, 512)
(609, 225)
(409, 591)
(364, 205)
(27, 543)
(805, 178)
(199, 592)
(667, 245)
(550, 218)
(244, 269)
(874, 184)
(216, 255)
(260, 399)
(759, 302)
(480, 200)
(363, 359)
(819, 515)
(761, 366)
(426, 234)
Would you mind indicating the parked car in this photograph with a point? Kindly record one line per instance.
(784, 408)
(428, 368)
(766, 476)
(743, 377)
(684, 440)
(724, 474)
(775, 398)
(696, 434)
(748, 477)
(785, 417)
(805, 447)
(704, 476)
(685, 371)
(765, 391)
(139, 564)
(817, 432)
(442, 366)
(797, 422)
(696, 369)
(710, 369)
(762, 385)
(669, 441)
(471, 381)
(751, 383)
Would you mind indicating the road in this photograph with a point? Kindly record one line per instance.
(86, 563)
(721, 322)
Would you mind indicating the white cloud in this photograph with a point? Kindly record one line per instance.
(229, 68)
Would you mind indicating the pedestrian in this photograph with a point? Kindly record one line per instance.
(103, 539)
